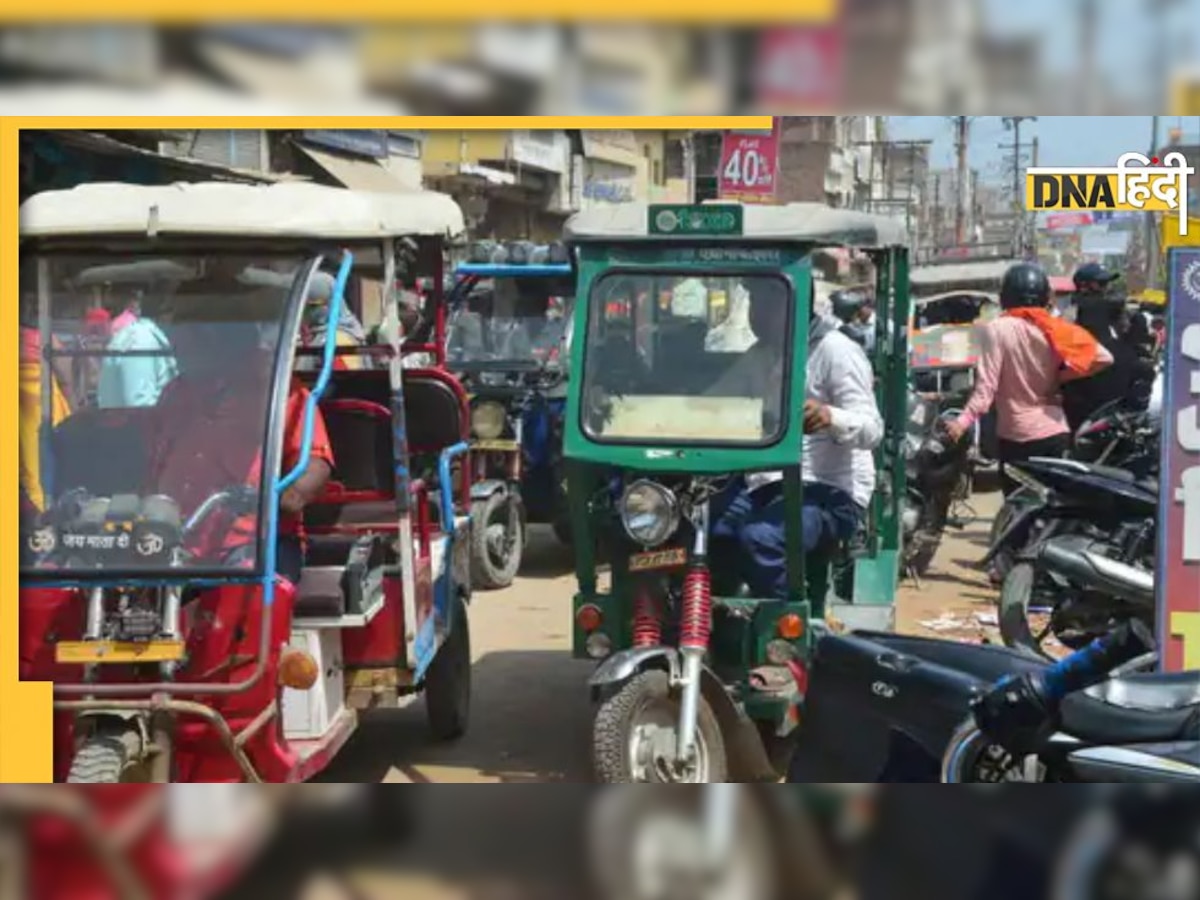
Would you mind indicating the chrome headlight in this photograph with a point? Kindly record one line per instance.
(488, 420)
(649, 512)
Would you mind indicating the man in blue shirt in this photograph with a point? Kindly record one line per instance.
(139, 366)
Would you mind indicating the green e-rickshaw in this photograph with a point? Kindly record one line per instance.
(699, 681)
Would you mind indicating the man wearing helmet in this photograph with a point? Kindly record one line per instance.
(1027, 355)
(1101, 311)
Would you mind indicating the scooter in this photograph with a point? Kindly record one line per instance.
(888, 708)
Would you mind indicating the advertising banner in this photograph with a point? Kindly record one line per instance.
(749, 165)
(1178, 576)
(799, 68)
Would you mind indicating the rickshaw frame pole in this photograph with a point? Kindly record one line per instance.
(233, 743)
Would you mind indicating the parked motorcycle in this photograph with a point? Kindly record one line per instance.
(1117, 437)
(1083, 552)
(939, 473)
(888, 708)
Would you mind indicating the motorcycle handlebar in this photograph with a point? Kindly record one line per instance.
(1092, 664)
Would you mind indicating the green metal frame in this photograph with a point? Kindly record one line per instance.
(739, 640)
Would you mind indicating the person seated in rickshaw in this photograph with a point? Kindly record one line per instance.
(315, 328)
(208, 427)
(842, 426)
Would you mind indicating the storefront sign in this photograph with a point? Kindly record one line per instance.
(1060, 221)
(605, 182)
(371, 144)
(749, 164)
(545, 150)
(799, 67)
(1179, 516)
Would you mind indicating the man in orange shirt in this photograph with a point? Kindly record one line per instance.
(209, 439)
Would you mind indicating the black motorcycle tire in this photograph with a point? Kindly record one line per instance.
(1003, 561)
(1013, 611)
(486, 573)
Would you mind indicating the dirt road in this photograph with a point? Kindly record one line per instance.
(530, 718)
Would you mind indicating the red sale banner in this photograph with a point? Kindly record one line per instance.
(749, 163)
(799, 68)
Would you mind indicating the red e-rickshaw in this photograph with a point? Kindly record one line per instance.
(150, 593)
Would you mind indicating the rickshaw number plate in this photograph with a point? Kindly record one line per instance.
(501, 445)
(117, 652)
(658, 559)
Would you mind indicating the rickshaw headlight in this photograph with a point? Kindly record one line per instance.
(488, 420)
(649, 513)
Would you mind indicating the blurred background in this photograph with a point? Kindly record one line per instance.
(1086, 57)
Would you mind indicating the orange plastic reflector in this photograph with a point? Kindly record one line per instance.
(790, 627)
(589, 618)
(297, 670)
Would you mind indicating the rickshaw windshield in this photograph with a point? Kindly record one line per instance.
(508, 320)
(144, 406)
(682, 359)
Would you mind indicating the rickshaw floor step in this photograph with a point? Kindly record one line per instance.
(350, 620)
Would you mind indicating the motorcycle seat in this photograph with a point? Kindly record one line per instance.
(1151, 691)
(1097, 722)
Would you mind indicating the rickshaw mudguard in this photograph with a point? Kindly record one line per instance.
(482, 490)
(622, 666)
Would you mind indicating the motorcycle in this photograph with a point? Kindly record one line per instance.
(1115, 436)
(1086, 553)
(939, 474)
(887, 708)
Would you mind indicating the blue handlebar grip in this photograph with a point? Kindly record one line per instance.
(1091, 665)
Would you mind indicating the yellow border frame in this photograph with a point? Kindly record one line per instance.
(26, 742)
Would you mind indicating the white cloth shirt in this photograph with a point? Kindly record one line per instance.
(840, 376)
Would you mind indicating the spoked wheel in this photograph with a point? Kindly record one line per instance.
(497, 541)
(635, 732)
(971, 758)
(652, 844)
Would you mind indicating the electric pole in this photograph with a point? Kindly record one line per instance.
(962, 127)
(1013, 123)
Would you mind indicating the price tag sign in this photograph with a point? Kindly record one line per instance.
(749, 163)
(1179, 516)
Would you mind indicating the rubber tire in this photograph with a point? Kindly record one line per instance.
(920, 563)
(1003, 562)
(486, 576)
(104, 758)
(611, 726)
(613, 839)
(1012, 610)
(448, 681)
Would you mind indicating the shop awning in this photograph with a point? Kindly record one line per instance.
(356, 174)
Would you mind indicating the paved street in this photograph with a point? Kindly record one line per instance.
(530, 720)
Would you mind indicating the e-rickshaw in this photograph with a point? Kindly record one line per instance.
(951, 301)
(509, 310)
(697, 680)
(150, 593)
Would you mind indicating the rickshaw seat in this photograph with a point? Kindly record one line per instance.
(106, 451)
(360, 434)
(333, 582)
(435, 410)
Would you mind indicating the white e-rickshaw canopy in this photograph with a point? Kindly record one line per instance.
(275, 211)
(810, 223)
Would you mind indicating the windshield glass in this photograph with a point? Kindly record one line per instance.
(144, 388)
(684, 359)
(508, 320)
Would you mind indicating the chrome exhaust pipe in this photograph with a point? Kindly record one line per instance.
(1071, 559)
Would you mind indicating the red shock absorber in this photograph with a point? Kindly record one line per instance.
(695, 621)
(647, 624)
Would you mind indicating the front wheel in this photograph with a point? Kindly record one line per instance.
(653, 844)
(497, 541)
(971, 758)
(636, 730)
(1016, 596)
(448, 681)
(1003, 562)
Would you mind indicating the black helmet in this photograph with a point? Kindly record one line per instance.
(1093, 272)
(1025, 284)
(847, 304)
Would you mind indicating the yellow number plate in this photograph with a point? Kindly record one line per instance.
(504, 446)
(114, 652)
(658, 559)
